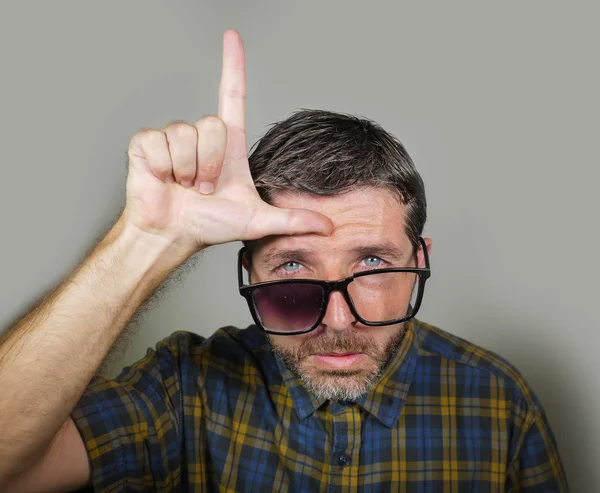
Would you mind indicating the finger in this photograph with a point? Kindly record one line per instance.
(182, 139)
(210, 152)
(152, 146)
(278, 221)
(232, 94)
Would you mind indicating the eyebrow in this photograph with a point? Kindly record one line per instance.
(274, 257)
(388, 251)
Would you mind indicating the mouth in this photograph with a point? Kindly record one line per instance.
(339, 360)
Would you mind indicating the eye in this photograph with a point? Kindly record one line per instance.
(290, 266)
(373, 262)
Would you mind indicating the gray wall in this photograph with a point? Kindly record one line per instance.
(497, 103)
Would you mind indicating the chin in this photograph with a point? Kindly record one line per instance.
(339, 384)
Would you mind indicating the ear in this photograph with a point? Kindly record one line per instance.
(421, 256)
(245, 262)
(246, 265)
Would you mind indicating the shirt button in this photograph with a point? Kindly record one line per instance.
(344, 460)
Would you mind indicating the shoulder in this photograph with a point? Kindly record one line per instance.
(470, 359)
(227, 348)
(227, 339)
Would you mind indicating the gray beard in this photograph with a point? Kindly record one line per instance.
(341, 385)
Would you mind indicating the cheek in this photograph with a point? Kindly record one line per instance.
(381, 336)
(383, 296)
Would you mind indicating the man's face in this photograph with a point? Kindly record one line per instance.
(342, 358)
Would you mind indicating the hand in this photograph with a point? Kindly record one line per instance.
(192, 183)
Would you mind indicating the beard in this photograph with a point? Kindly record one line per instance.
(339, 384)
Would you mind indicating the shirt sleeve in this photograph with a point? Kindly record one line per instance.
(131, 425)
(538, 467)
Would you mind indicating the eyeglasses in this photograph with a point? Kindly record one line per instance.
(376, 297)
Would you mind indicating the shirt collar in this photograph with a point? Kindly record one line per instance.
(387, 396)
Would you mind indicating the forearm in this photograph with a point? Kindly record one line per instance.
(49, 357)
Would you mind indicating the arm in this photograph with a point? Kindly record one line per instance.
(64, 467)
(49, 357)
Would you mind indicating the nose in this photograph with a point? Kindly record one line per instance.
(338, 315)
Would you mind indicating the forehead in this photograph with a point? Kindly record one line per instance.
(366, 216)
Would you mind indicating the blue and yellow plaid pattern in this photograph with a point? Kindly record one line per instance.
(224, 414)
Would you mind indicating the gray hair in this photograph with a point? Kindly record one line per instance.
(326, 153)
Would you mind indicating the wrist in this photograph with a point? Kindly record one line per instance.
(151, 248)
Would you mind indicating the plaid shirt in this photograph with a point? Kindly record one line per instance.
(225, 414)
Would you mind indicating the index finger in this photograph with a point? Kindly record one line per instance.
(232, 92)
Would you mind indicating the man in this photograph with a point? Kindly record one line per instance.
(336, 388)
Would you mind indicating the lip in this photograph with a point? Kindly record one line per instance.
(339, 360)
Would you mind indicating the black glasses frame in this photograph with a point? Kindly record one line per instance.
(331, 286)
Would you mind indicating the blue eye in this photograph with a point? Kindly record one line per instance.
(373, 262)
(290, 266)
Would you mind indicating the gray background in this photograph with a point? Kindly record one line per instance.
(497, 104)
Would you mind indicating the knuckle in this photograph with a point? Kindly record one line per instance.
(209, 171)
(155, 145)
(152, 137)
(140, 133)
(186, 182)
(210, 122)
(139, 137)
(210, 167)
(185, 164)
(236, 94)
(184, 174)
(161, 169)
(174, 122)
(181, 131)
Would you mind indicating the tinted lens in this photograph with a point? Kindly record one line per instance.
(288, 307)
(384, 296)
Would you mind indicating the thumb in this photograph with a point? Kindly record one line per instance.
(280, 221)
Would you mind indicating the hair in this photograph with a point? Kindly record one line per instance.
(325, 153)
